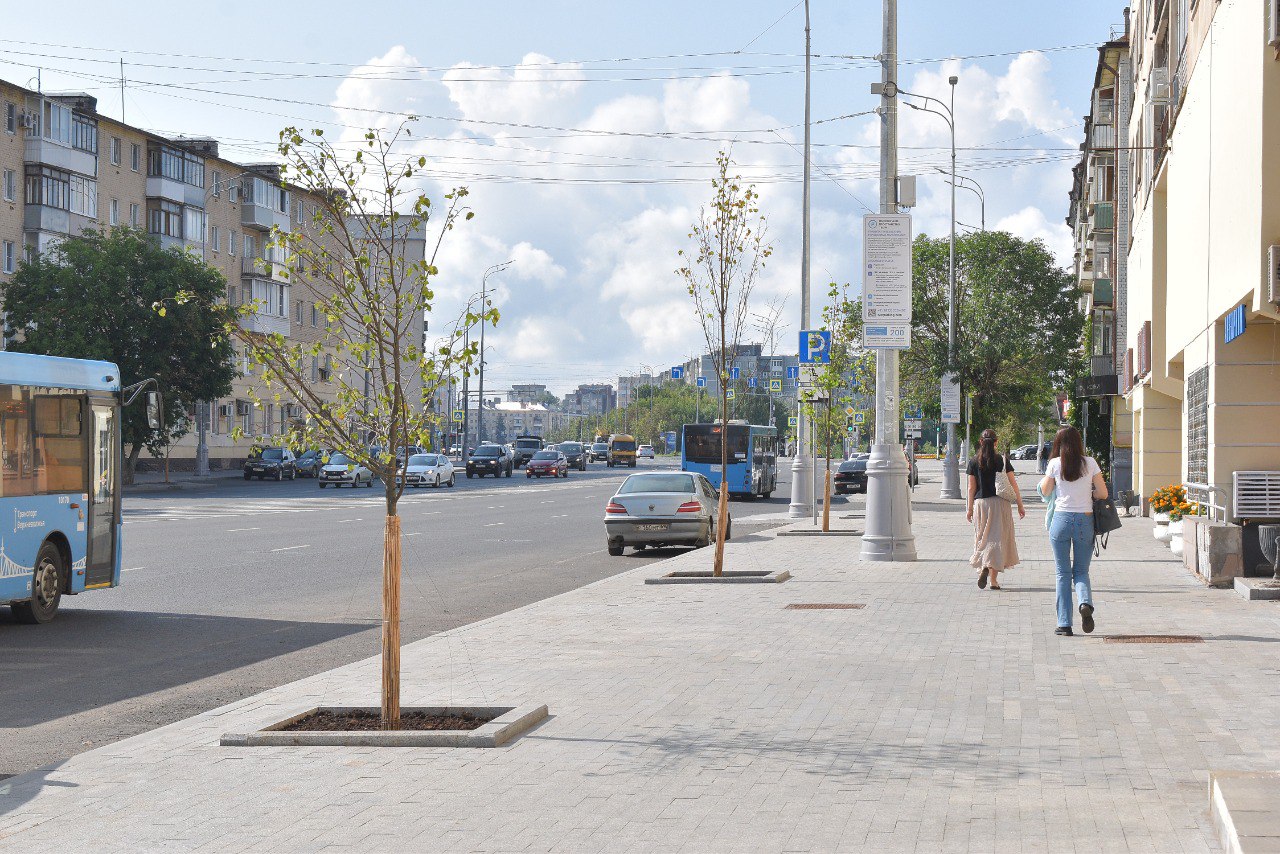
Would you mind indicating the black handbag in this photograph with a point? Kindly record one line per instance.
(1105, 520)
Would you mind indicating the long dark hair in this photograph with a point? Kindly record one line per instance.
(1068, 447)
(987, 450)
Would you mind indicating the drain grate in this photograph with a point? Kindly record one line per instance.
(826, 606)
(1153, 639)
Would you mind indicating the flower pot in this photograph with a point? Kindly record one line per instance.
(1162, 532)
(1175, 546)
(1160, 518)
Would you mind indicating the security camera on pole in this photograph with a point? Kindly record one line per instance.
(886, 305)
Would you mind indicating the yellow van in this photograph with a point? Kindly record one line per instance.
(622, 450)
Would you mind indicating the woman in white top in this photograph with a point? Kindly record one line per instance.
(1077, 480)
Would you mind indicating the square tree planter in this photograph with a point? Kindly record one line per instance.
(729, 576)
(505, 723)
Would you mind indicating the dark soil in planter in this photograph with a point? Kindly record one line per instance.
(359, 721)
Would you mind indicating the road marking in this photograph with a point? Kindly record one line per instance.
(494, 524)
(340, 521)
(133, 568)
(413, 534)
(291, 548)
(561, 516)
(238, 530)
(580, 557)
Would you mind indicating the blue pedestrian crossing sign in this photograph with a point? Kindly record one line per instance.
(677, 372)
(775, 385)
(751, 382)
(815, 346)
(859, 418)
(793, 372)
(793, 421)
(458, 415)
(734, 373)
(702, 382)
(730, 394)
(914, 412)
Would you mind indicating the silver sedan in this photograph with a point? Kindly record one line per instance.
(662, 509)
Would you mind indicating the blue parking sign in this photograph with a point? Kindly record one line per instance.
(677, 372)
(702, 382)
(815, 346)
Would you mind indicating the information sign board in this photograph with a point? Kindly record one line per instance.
(950, 399)
(891, 336)
(677, 372)
(886, 268)
(702, 382)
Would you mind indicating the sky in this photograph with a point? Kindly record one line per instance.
(587, 133)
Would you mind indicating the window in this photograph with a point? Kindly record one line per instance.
(217, 184)
(315, 317)
(282, 200)
(52, 119)
(297, 312)
(164, 218)
(297, 211)
(282, 301)
(84, 133)
(249, 247)
(1198, 426)
(231, 243)
(233, 294)
(115, 211)
(215, 238)
(115, 151)
(10, 117)
(327, 371)
(48, 186)
(44, 442)
(10, 185)
(193, 224)
(135, 157)
(84, 196)
(134, 211)
(9, 259)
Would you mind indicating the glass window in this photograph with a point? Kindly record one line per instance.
(84, 133)
(249, 247)
(115, 151)
(135, 211)
(315, 317)
(164, 217)
(215, 238)
(84, 196)
(115, 211)
(657, 483)
(10, 185)
(217, 183)
(135, 156)
(193, 224)
(10, 117)
(231, 243)
(10, 251)
(52, 119)
(49, 187)
(42, 442)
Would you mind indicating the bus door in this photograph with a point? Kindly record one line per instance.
(104, 488)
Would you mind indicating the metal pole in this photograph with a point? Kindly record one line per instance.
(951, 468)
(888, 534)
(466, 415)
(801, 471)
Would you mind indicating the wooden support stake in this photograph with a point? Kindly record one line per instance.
(391, 625)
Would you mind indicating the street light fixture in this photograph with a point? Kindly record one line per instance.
(484, 301)
(951, 468)
(976, 189)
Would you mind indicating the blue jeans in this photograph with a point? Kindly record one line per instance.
(1072, 532)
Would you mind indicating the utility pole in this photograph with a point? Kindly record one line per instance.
(951, 468)
(801, 472)
(888, 534)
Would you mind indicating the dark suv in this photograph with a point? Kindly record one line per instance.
(275, 463)
(490, 459)
(576, 454)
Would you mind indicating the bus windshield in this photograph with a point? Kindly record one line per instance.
(702, 443)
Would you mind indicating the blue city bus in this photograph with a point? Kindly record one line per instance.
(60, 461)
(753, 456)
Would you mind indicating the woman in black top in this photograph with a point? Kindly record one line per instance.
(994, 547)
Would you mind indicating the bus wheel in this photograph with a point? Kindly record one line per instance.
(46, 588)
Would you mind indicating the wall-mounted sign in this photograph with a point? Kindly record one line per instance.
(1233, 328)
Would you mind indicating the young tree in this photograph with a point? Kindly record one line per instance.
(92, 297)
(365, 259)
(729, 251)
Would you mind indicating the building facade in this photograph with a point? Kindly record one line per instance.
(1201, 329)
(752, 364)
(591, 399)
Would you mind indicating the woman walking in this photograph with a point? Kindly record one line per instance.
(1077, 481)
(994, 547)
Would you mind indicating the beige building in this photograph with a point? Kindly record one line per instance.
(67, 168)
(1202, 330)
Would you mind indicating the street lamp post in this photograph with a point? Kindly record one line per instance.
(484, 301)
(801, 473)
(976, 189)
(951, 468)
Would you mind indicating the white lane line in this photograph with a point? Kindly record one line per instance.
(238, 530)
(413, 534)
(561, 516)
(549, 501)
(494, 524)
(291, 548)
(580, 557)
(341, 521)
(132, 568)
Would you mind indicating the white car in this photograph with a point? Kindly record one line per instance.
(662, 509)
(427, 470)
(342, 469)
(644, 451)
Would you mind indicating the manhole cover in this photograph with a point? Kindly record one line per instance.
(1153, 639)
(826, 606)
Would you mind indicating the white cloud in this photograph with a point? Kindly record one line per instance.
(525, 94)
(1030, 224)
(535, 264)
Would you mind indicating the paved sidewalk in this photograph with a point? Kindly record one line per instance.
(696, 718)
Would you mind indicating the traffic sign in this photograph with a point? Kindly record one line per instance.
(913, 412)
(775, 385)
(730, 394)
(950, 399)
(702, 382)
(808, 374)
(751, 382)
(911, 434)
(677, 372)
(860, 418)
(887, 336)
(793, 421)
(793, 371)
(734, 373)
(815, 346)
(458, 415)
(912, 424)
(849, 410)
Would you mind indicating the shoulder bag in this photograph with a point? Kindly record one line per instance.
(1003, 488)
(1105, 520)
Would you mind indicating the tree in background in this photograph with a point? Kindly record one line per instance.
(92, 297)
(1018, 327)
(355, 259)
(719, 272)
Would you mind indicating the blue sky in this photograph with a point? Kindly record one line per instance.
(594, 218)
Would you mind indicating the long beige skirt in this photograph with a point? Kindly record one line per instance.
(993, 543)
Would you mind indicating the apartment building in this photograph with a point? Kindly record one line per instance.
(591, 399)
(1099, 219)
(66, 168)
(1201, 328)
(753, 366)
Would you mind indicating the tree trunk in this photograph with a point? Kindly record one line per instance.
(391, 624)
(722, 509)
(131, 464)
(826, 500)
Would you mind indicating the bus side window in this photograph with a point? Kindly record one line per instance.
(60, 445)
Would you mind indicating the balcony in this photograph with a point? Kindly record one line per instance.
(173, 190)
(46, 152)
(1104, 217)
(46, 218)
(262, 217)
(1103, 292)
(264, 324)
(261, 268)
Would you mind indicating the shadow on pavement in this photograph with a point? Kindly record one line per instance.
(86, 659)
(16, 791)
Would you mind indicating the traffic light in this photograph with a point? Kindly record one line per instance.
(848, 424)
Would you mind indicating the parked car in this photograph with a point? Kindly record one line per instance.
(274, 463)
(342, 469)
(645, 451)
(427, 470)
(455, 450)
(1023, 452)
(851, 476)
(576, 454)
(662, 509)
(403, 451)
(309, 463)
(547, 462)
(490, 459)
(599, 451)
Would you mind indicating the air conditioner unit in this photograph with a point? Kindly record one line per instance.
(242, 407)
(292, 410)
(27, 120)
(226, 410)
(1158, 87)
(1273, 275)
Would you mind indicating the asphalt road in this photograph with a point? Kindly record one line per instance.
(243, 586)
